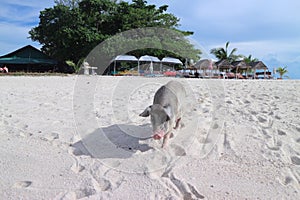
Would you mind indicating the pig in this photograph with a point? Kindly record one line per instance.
(166, 111)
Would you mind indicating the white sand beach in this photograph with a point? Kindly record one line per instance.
(80, 137)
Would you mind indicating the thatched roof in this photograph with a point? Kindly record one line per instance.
(224, 64)
(204, 64)
(258, 65)
(240, 64)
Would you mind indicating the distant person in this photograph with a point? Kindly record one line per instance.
(4, 69)
(196, 74)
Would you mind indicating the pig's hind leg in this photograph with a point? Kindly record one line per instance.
(178, 123)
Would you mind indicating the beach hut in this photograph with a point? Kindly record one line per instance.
(28, 59)
(259, 65)
(224, 65)
(240, 66)
(206, 64)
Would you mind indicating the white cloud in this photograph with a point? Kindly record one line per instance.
(17, 11)
(285, 50)
(13, 37)
(32, 3)
(16, 19)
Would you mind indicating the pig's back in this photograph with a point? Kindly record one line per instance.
(172, 94)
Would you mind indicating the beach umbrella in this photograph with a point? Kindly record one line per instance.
(123, 58)
(147, 58)
(170, 60)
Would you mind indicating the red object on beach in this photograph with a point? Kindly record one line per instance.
(158, 135)
(170, 73)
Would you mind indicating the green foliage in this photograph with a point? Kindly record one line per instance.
(249, 59)
(282, 71)
(73, 65)
(222, 53)
(79, 64)
(72, 28)
(158, 42)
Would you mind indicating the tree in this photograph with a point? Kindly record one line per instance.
(69, 3)
(222, 53)
(282, 71)
(249, 59)
(72, 28)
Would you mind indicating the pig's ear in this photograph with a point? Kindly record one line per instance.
(168, 111)
(146, 112)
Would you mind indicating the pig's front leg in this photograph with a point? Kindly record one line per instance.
(166, 138)
(158, 135)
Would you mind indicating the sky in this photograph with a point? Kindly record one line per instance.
(267, 29)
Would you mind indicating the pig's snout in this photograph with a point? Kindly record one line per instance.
(158, 134)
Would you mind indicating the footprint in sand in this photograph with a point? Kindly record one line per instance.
(77, 168)
(204, 140)
(262, 119)
(295, 160)
(50, 137)
(178, 151)
(281, 132)
(22, 184)
(288, 180)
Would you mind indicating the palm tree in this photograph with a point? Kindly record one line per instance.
(222, 54)
(249, 59)
(282, 71)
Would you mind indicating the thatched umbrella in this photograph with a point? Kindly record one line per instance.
(224, 65)
(206, 64)
(259, 65)
(240, 65)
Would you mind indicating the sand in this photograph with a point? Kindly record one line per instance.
(80, 137)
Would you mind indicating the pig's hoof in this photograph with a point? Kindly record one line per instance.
(171, 135)
(158, 135)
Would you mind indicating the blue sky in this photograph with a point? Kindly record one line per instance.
(268, 30)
